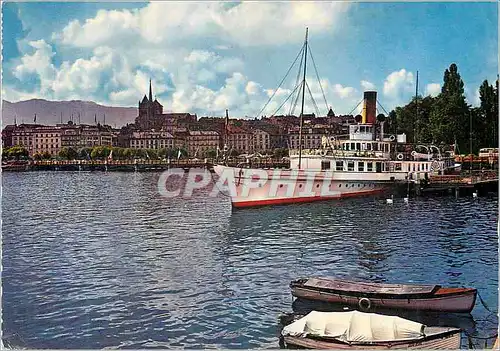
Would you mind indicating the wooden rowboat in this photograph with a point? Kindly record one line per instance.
(370, 331)
(374, 295)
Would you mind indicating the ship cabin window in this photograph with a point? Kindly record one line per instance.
(398, 166)
(375, 147)
(369, 146)
(358, 146)
(413, 167)
(353, 147)
(325, 165)
(350, 166)
(369, 166)
(361, 166)
(339, 165)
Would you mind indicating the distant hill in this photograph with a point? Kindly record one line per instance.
(49, 112)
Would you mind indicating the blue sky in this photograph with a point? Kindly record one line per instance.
(205, 57)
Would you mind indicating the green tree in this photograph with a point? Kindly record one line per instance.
(64, 153)
(280, 152)
(72, 154)
(449, 118)
(118, 153)
(151, 154)
(97, 152)
(488, 124)
(162, 153)
(47, 155)
(84, 153)
(17, 152)
(128, 153)
(423, 127)
(211, 153)
(5, 153)
(38, 156)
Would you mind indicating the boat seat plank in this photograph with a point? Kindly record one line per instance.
(369, 288)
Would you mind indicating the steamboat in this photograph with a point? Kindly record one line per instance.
(364, 162)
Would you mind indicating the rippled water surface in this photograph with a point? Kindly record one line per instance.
(93, 260)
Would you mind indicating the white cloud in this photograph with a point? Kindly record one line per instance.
(128, 47)
(433, 89)
(398, 88)
(253, 88)
(106, 27)
(39, 63)
(366, 85)
(397, 83)
(344, 92)
(247, 23)
(473, 96)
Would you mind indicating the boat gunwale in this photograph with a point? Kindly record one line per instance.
(433, 295)
(385, 344)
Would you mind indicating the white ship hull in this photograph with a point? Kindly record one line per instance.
(280, 187)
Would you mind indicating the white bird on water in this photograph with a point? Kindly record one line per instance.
(474, 194)
(391, 200)
(405, 200)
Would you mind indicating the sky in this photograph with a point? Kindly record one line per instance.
(206, 57)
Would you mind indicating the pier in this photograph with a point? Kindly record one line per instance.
(132, 165)
(475, 181)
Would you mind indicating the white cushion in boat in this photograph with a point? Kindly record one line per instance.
(360, 327)
(355, 326)
(315, 326)
(334, 329)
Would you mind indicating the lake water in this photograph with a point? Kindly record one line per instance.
(95, 260)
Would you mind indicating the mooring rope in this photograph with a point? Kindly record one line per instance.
(484, 304)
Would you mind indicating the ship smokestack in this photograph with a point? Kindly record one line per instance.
(369, 107)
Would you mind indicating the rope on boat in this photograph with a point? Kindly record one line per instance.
(484, 303)
(470, 338)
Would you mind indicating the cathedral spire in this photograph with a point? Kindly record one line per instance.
(150, 92)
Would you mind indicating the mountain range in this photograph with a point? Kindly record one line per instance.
(52, 112)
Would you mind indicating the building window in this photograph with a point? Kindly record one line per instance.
(398, 166)
(350, 166)
(369, 166)
(325, 165)
(361, 166)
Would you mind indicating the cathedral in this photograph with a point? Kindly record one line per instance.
(151, 115)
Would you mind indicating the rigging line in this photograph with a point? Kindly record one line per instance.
(317, 76)
(382, 107)
(284, 102)
(296, 101)
(286, 75)
(312, 98)
(297, 82)
(355, 108)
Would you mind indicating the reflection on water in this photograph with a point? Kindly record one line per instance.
(94, 260)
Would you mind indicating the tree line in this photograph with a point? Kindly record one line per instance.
(448, 119)
(119, 153)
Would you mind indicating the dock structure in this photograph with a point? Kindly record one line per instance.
(132, 165)
(477, 181)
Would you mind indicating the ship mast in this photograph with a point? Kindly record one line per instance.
(303, 95)
(416, 125)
